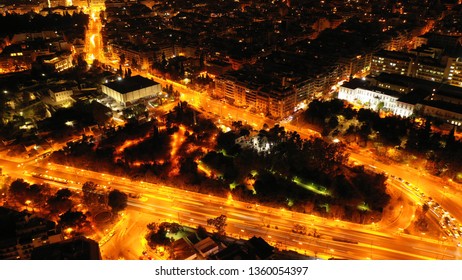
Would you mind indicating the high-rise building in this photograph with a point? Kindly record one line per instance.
(429, 69)
(392, 63)
(454, 71)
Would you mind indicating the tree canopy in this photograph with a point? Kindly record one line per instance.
(117, 200)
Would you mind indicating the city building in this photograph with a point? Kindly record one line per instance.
(57, 3)
(405, 96)
(59, 62)
(182, 250)
(275, 100)
(445, 103)
(454, 71)
(362, 93)
(140, 57)
(128, 90)
(21, 232)
(60, 95)
(22, 7)
(355, 64)
(392, 62)
(207, 247)
(256, 248)
(430, 69)
(216, 67)
(78, 248)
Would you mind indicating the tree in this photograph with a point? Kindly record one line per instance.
(63, 193)
(57, 205)
(202, 60)
(182, 71)
(122, 59)
(237, 125)
(117, 200)
(90, 193)
(18, 190)
(219, 223)
(425, 208)
(451, 139)
(226, 140)
(164, 61)
(158, 233)
(333, 122)
(73, 219)
(201, 232)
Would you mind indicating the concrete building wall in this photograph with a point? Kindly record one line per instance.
(375, 100)
(133, 95)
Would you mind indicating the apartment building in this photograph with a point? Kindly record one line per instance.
(21, 232)
(454, 71)
(392, 62)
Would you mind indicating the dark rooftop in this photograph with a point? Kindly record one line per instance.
(130, 84)
(79, 248)
(414, 96)
(356, 83)
(233, 252)
(407, 81)
(394, 55)
(261, 248)
(456, 108)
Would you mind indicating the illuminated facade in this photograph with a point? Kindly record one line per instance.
(97, 4)
(454, 71)
(60, 63)
(430, 71)
(141, 58)
(361, 93)
(278, 102)
(59, 3)
(444, 104)
(60, 96)
(23, 8)
(392, 63)
(398, 42)
(130, 89)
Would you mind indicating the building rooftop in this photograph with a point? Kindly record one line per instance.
(79, 248)
(394, 55)
(131, 84)
(402, 80)
(206, 245)
(233, 252)
(356, 83)
(456, 108)
(261, 248)
(182, 250)
(414, 96)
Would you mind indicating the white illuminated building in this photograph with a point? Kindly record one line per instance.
(130, 89)
(256, 142)
(358, 92)
(60, 63)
